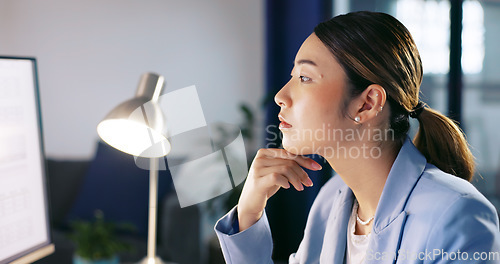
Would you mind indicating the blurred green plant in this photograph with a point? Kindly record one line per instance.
(248, 122)
(97, 239)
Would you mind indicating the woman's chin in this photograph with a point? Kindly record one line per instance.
(296, 149)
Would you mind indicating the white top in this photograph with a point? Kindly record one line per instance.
(357, 245)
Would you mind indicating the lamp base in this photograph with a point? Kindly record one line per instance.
(155, 260)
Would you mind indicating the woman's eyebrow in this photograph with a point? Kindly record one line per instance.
(306, 62)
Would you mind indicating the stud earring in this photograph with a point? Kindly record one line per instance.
(357, 119)
(376, 94)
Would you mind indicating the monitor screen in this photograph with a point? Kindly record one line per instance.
(24, 220)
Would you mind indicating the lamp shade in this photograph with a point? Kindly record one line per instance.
(137, 126)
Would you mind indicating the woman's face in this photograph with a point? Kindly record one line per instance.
(311, 102)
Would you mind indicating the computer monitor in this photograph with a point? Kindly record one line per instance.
(24, 219)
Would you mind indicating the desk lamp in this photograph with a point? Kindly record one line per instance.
(137, 127)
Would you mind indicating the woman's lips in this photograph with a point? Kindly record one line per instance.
(283, 124)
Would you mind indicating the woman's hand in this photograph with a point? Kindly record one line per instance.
(271, 169)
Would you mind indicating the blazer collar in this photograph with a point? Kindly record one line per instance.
(334, 251)
(403, 176)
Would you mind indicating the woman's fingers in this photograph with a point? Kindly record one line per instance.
(305, 162)
(281, 176)
(278, 161)
(271, 170)
(279, 180)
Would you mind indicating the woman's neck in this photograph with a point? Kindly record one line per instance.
(366, 174)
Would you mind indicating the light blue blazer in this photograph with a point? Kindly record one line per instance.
(424, 216)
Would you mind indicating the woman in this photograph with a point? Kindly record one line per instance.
(354, 86)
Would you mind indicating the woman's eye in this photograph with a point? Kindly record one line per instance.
(304, 79)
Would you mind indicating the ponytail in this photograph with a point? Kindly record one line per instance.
(443, 144)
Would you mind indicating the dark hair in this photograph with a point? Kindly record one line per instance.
(375, 48)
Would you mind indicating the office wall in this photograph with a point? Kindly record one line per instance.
(91, 54)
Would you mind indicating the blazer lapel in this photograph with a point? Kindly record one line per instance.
(390, 216)
(334, 245)
(384, 246)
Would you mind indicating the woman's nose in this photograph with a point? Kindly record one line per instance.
(282, 98)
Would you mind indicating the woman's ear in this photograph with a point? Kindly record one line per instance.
(370, 103)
